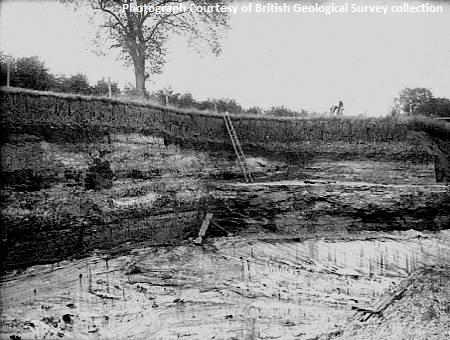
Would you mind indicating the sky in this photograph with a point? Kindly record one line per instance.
(299, 60)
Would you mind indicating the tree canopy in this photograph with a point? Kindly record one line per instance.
(28, 72)
(420, 101)
(32, 73)
(141, 36)
(409, 100)
(101, 88)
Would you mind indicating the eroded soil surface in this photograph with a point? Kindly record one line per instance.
(244, 287)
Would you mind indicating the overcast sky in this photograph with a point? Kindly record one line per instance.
(298, 60)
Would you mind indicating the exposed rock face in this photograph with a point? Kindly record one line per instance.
(55, 223)
(158, 189)
(99, 175)
(439, 147)
(71, 117)
(442, 164)
(296, 281)
(295, 206)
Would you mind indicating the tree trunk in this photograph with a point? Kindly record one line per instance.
(139, 73)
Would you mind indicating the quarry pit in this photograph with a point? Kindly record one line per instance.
(343, 233)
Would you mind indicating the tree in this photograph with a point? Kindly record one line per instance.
(130, 92)
(186, 100)
(436, 107)
(141, 36)
(29, 73)
(77, 83)
(5, 59)
(254, 110)
(282, 111)
(101, 88)
(410, 100)
(229, 105)
(161, 96)
(60, 83)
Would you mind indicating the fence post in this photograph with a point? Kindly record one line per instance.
(167, 100)
(8, 73)
(109, 88)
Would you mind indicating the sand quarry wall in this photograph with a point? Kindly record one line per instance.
(162, 159)
(74, 117)
(48, 213)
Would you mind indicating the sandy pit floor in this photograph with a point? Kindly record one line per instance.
(253, 287)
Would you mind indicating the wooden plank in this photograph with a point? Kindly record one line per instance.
(203, 228)
(382, 304)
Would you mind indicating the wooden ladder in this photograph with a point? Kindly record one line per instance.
(237, 147)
